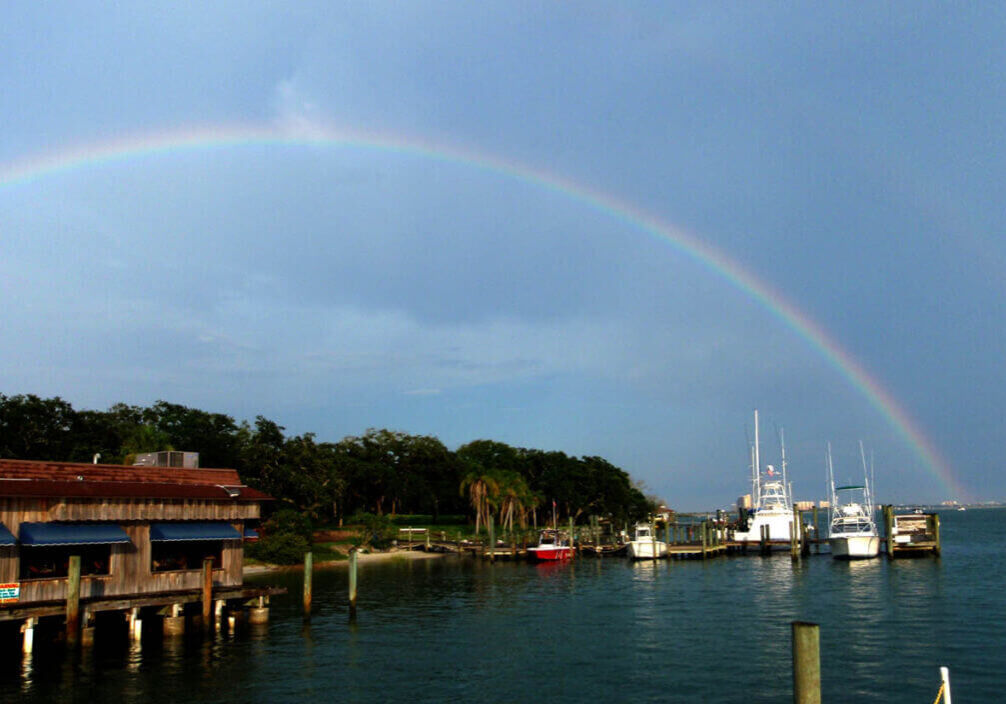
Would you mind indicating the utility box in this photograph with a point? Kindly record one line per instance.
(167, 458)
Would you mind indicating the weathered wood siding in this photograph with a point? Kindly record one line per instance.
(130, 566)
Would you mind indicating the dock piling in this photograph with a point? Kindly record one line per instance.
(492, 540)
(352, 584)
(207, 593)
(308, 571)
(73, 601)
(806, 663)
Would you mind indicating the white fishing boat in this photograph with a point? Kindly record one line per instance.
(772, 507)
(852, 532)
(644, 546)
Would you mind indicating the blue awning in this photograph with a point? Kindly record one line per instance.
(251, 534)
(42, 534)
(6, 537)
(193, 530)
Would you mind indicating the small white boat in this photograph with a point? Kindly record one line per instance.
(852, 532)
(644, 546)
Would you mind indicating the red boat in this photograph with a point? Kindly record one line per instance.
(552, 545)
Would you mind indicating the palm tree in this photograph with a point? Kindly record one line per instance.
(483, 488)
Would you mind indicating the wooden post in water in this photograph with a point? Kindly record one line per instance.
(763, 539)
(492, 539)
(794, 536)
(806, 663)
(572, 549)
(653, 537)
(352, 583)
(936, 532)
(207, 593)
(73, 601)
(817, 533)
(889, 529)
(308, 569)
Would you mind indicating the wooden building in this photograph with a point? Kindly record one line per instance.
(141, 532)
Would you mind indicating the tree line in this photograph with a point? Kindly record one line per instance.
(382, 472)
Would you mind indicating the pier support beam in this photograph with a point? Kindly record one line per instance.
(73, 601)
(208, 594)
(352, 583)
(308, 570)
(135, 625)
(174, 624)
(806, 663)
(28, 635)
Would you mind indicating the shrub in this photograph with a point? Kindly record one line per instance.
(376, 531)
(279, 548)
(289, 521)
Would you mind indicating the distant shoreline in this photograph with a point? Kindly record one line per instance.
(362, 558)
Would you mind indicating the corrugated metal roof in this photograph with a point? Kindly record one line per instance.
(42, 488)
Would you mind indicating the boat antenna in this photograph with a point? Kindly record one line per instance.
(866, 479)
(757, 465)
(831, 486)
(785, 479)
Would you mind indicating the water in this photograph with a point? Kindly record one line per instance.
(461, 630)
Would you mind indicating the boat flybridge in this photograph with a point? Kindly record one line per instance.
(852, 532)
(644, 544)
(772, 505)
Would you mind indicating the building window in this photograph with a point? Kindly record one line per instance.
(171, 556)
(53, 562)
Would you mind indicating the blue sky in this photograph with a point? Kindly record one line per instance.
(852, 157)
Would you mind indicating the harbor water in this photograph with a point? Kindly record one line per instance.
(457, 629)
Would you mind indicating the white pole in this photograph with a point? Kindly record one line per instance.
(945, 674)
(757, 466)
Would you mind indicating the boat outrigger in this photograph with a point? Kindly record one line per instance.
(771, 503)
(852, 532)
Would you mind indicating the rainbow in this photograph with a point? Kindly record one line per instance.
(707, 257)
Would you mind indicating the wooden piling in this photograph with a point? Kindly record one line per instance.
(308, 570)
(889, 529)
(936, 536)
(492, 539)
(352, 583)
(73, 601)
(817, 533)
(763, 539)
(806, 663)
(207, 593)
(572, 546)
(794, 536)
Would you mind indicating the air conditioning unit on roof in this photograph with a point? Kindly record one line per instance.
(167, 458)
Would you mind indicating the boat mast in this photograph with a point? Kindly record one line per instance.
(831, 488)
(866, 480)
(786, 488)
(756, 469)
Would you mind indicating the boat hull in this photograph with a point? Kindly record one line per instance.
(855, 547)
(644, 550)
(779, 525)
(550, 554)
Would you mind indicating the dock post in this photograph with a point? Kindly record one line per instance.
(207, 593)
(572, 543)
(936, 534)
(705, 538)
(806, 663)
(308, 570)
(945, 677)
(794, 536)
(804, 538)
(28, 640)
(889, 529)
(492, 539)
(352, 584)
(763, 539)
(73, 601)
(135, 624)
(817, 533)
(427, 539)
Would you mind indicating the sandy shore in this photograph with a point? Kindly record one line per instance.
(362, 559)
